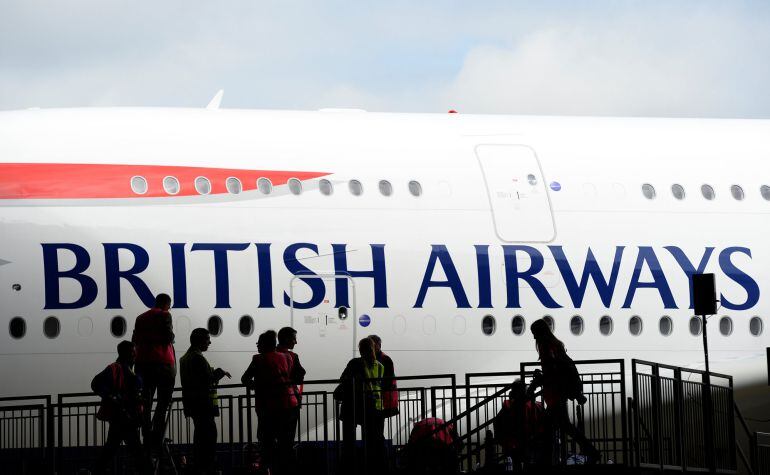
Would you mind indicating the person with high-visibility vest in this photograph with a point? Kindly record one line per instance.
(360, 392)
(120, 390)
(199, 397)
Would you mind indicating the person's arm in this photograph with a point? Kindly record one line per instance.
(167, 334)
(249, 375)
(198, 374)
(102, 383)
(297, 371)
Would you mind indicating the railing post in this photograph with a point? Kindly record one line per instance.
(708, 423)
(657, 444)
(469, 452)
(50, 436)
(679, 415)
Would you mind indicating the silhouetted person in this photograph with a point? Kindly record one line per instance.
(156, 364)
(120, 390)
(269, 376)
(199, 396)
(287, 340)
(389, 390)
(360, 391)
(432, 448)
(521, 429)
(560, 381)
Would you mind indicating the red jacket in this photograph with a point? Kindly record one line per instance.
(154, 337)
(269, 375)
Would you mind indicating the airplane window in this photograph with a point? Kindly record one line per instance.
(139, 185)
(264, 186)
(246, 325)
(488, 325)
(118, 326)
(171, 185)
(605, 325)
(215, 325)
(648, 191)
(518, 325)
(678, 191)
(326, 187)
(295, 186)
(635, 325)
(756, 326)
(202, 185)
(737, 192)
(696, 326)
(355, 187)
(708, 192)
(666, 325)
(17, 327)
(51, 327)
(576, 325)
(386, 188)
(415, 188)
(549, 320)
(233, 185)
(765, 190)
(726, 326)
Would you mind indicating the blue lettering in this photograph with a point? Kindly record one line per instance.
(221, 272)
(687, 266)
(293, 265)
(590, 271)
(52, 275)
(265, 267)
(647, 256)
(740, 278)
(113, 274)
(440, 254)
(484, 276)
(377, 274)
(179, 274)
(513, 275)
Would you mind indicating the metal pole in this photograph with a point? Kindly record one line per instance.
(708, 408)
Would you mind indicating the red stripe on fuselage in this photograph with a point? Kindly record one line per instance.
(74, 181)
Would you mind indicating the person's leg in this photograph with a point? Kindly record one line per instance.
(197, 449)
(134, 445)
(267, 434)
(374, 442)
(149, 385)
(210, 445)
(348, 443)
(561, 416)
(287, 432)
(166, 378)
(111, 445)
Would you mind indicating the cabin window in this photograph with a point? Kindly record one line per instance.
(737, 192)
(696, 326)
(295, 186)
(202, 185)
(326, 187)
(488, 325)
(708, 192)
(246, 325)
(17, 327)
(576, 325)
(549, 320)
(765, 191)
(51, 327)
(518, 325)
(635, 325)
(233, 185)
(355, 187)
(648, 191)
(756, 326)
(605, 325)
(666, 325)
(265, 186)
(214, 325)
(415, 188)
(386, 188)
(726, 326)
(139, 185)
(118, 326)
(678, 191)
(171, 185)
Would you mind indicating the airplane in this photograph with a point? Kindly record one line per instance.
(445, 234)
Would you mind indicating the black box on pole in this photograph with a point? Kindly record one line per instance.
(704, 294)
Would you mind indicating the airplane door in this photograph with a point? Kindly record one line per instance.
(518, 198)
(326, 334)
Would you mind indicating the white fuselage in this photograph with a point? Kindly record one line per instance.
(437, 263)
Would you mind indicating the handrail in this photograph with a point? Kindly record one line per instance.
(746, 463)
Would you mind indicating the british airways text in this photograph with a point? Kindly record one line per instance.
(579, 270)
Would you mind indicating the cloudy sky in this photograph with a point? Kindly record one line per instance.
(643, 58)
